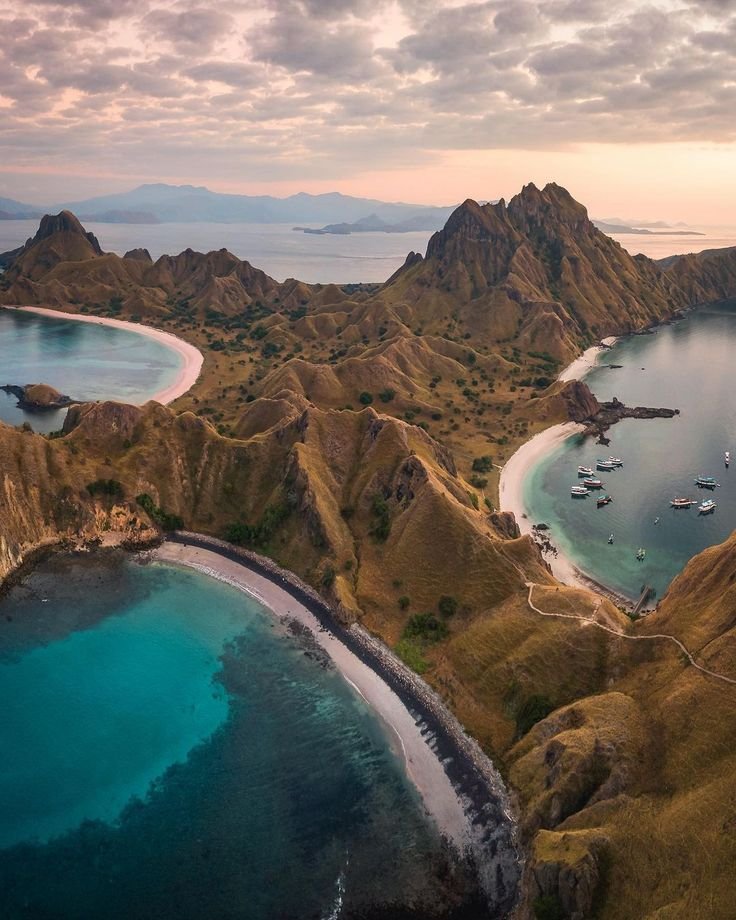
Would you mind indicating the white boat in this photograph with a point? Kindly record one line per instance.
(578, 491)
(616, 461)
(682, 502)
(605, 465)
(585, 471)
(727, 458)
(640, 554)
(706, 482)
(707, 506)
(590, 482)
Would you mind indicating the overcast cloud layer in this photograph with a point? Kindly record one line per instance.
(331, 88)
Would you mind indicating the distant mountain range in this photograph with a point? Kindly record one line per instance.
(162, 203)
(341, 214)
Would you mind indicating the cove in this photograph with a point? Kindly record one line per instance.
(172, 750)
(85, 361)
(688, 365)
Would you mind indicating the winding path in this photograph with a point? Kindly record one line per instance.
(619, 635)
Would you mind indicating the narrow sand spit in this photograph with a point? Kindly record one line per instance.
(192, 357)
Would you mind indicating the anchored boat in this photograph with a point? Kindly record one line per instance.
(640, 554)
(616, 461)
(603, 501)
(585, 471)
(605, 465)
(706, 482)
(578, 491)
(707, 506)
(727, 458)
(682, 502)
(590, 482)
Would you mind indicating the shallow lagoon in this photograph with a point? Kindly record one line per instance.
(688, 366)
(85, 361)
(171, 751)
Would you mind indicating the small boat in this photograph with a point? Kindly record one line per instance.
(590, 482)
(616, 461)
(603, 501)
(605, 465)
(706, 482)
(585, 471)
(578, 491)
(656, 520)
(640, 554)
(707, 506)
(610, 538)
(727, 458)
(682, 502)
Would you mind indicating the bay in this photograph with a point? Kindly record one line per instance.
(85, 361)
(685, 366)
(169, 750)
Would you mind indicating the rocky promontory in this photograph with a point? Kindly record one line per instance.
(611, 412)
(38, 397)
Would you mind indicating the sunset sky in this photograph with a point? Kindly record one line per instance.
(630, 105)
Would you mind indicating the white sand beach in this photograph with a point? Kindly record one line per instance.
(422, 765)
(511, 491)
(578, 368)
(192, 357)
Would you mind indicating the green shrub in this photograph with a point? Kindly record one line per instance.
(387, 395)
(162, 518)
(108, 487)
(382, 527)
(447, 605)
(404, 602)
(548, 907)
(259, 534)
(483, 464)
(478, 482)
(365, 398)
(425, 626)
(531, 711)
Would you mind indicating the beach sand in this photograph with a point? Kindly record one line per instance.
(423, 767)
(520, 464)
(586, 362)
(192, 357)
(511, 492)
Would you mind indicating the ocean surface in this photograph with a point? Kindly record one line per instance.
(686, 366)
(284, 253)
(85, 361)
(169, 750)
(276, 249)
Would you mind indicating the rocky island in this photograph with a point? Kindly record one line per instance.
(39, 397)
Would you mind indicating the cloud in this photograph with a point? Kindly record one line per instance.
(325, 86)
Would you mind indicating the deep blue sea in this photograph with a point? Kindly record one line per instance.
(169, 750)
(686, 366)
(85, 361)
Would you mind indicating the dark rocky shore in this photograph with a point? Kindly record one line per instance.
(497, 856)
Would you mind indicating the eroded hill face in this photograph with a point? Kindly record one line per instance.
(355, 435)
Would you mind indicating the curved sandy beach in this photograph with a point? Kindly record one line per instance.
(519, 465)
(192, 357)
(459, 786)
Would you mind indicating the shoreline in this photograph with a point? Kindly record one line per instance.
(585, 363)
(459, 786)
(523, 460)
(192, 357)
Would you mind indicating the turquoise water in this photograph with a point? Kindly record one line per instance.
(170, 751)
(85, 361)
(688, 366)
